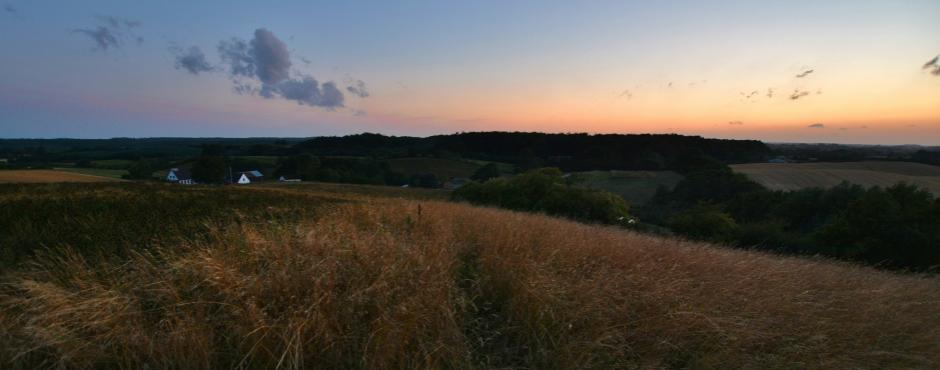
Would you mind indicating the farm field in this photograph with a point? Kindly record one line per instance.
(47, 176)
(794, 176)
(636, 187)
(442, 168)
(310, 275)
(103, 172)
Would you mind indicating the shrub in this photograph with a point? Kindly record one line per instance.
(545, 190)
(705, 223)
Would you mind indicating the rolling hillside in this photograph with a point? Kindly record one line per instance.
(636, 187)
(303, 276)
(793, 176)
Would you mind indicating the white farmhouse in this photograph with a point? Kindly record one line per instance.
(179, 176)
(248, 176)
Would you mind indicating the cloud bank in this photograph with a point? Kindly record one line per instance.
(262, 66)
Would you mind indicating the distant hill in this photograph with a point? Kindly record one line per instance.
(570, 152)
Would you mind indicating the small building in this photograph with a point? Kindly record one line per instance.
(284, 179)
(180, 176)
(248, 177)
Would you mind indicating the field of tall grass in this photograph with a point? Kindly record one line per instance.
(300, 277)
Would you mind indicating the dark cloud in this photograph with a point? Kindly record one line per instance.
(805, 73)
(111, 32)
(933, 66)
(817, 125)
(235, 54)
(193, 60)
(306, 91)
(736, 123)
(9, 8)
(798, 94)
(261, 66)
(271, 58)
(358, 88)
(264, 57)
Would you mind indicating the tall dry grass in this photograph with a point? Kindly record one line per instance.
(394, 284)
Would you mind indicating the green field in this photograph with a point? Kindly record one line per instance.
(794, 176)
(636, 187)
(442, 168)
(114, 164)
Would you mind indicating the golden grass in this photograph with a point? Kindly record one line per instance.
(406, 284)
(47, 176)
(795, 176)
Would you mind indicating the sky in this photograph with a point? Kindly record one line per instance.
(780, 71)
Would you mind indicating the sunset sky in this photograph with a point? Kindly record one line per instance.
(729, 69)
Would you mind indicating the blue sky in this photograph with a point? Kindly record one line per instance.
(438, 67)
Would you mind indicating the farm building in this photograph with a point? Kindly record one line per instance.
(285, 179)
(180, 176)
(248, 176)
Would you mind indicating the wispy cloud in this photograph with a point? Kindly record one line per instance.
(933, 66)
(627, 94)
(9, 8)
(805, 73)
(736, 123)
(358, 88)
(797, 94)
(111, 32)
(817, 125)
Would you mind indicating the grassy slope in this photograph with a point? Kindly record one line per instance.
(49, 176)
(636, 187)
(793, 176)
(307, 276)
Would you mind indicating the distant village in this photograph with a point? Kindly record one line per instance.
(184, 176)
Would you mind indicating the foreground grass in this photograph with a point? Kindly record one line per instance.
(371, 282)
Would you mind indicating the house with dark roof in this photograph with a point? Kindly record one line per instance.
(247, 177)
(180, 176)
